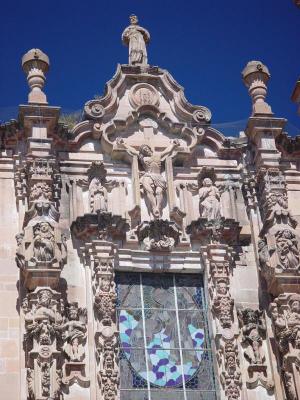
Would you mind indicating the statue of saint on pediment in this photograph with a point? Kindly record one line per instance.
(136, 38)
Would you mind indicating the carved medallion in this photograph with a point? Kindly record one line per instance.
(143, 94)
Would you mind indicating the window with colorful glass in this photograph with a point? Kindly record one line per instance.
(164, 341)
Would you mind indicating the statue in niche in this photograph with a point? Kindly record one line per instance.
(98, 195)
(75, 333)
(44, 242)
(209, 200)
(287, 248)
(136, 38)
(152, 181)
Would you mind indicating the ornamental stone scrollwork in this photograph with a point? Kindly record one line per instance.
(202, 115)
(142, 94)
(285, 313)
(94, 110)
(253, 331)
(158, 235)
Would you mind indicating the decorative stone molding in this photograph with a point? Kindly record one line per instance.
(94, 110)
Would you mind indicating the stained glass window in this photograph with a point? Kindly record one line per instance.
(164, 344)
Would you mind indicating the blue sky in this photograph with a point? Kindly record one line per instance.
(204, 44)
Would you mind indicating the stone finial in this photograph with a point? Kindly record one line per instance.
(256, 76)
(136, 38)
(35, 64)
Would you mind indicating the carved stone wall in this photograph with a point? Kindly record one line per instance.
(144, 183)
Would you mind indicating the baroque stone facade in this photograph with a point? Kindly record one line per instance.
(143, 186)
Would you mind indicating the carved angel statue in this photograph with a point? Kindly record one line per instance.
(136, 38)
(209, 200)
(152, 181)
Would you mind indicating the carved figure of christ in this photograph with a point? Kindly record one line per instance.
(152, 181)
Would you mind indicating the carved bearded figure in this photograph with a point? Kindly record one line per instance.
(44, 242)
(209, 198)
(152, 181)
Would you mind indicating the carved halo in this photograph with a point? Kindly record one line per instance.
(143, 94)
(93, 109)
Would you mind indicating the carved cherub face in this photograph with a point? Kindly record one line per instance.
(207, 182)
(295, 306)
(73, 311)
(44, 227)
(222, 288)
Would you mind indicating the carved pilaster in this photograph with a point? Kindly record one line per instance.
(285, 312)
(101, 257)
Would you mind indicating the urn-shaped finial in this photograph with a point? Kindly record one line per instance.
(256, 76)
(35, 64)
